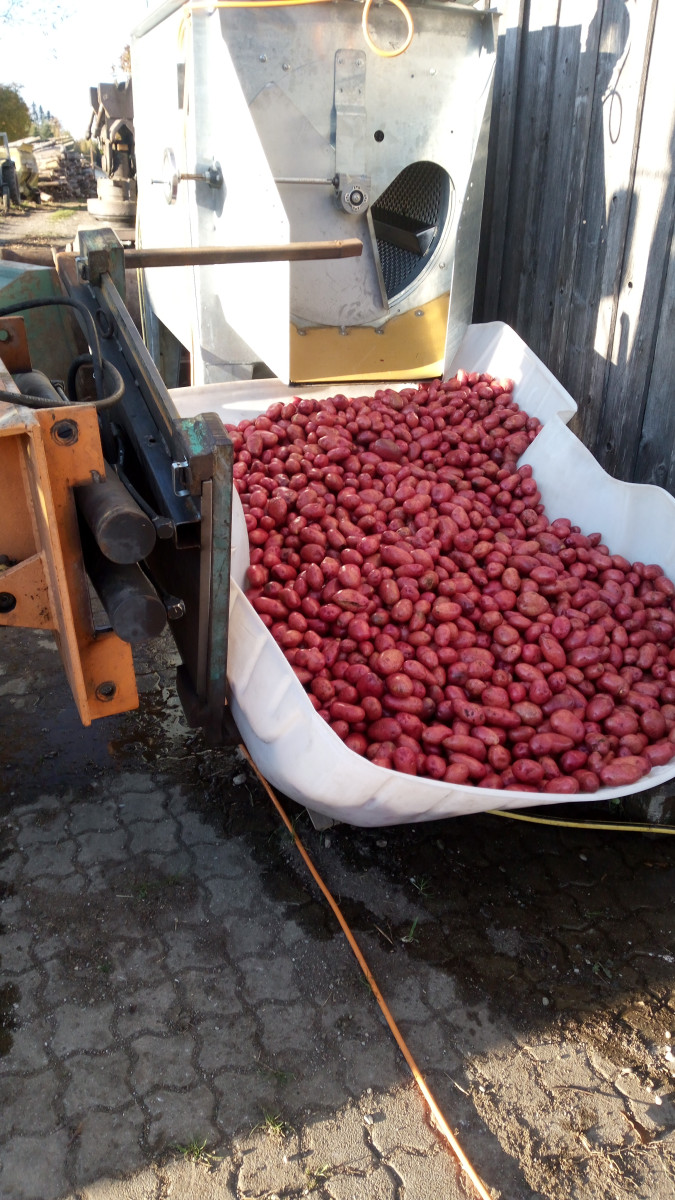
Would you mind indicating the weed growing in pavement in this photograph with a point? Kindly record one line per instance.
(274, 1126)
(195, 1151)
(411, 935)
(277, 1073)
(422, 884)
(315, 1177)
(155, 887)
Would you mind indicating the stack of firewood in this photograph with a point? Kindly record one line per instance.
(64, 172)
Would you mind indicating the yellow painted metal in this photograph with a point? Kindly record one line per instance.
(410, 346)
(45, 576)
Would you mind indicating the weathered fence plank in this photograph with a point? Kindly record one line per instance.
(645, 264)
(656, 459)
(608, 192)
(578, 223)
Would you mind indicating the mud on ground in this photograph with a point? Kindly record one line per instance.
(532, 969)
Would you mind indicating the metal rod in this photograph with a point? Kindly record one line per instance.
(304, 179)
(205, 256)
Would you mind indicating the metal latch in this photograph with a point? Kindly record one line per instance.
(171, 176)
(353, 185)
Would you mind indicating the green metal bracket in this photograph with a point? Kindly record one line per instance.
(101, 253)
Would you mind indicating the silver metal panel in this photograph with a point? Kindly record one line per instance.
(298, 86)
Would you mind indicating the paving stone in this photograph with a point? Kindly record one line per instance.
(162, 1062)
(314, 1085)
(96, 1081)
(143, 965)
(399, 1121)
(185, 1180)
(43, 828)
(50, 860)
(223, 860)
(181, 1117)
(147, 1010)
(379, 1184)
(228, 1042)
(28, 1102)
(248, 935)
(271, 1164)
(376, 1064)
(188, 948)
(406, 1001)
(15, 687)
(28, 1048)
(194, 831)
(157, 837)
(142, 806)
(15, 951)
(33, 1168)
(130, 782)
(339, 1141)
(212, 993)
(291, 1027)
(107, 1143)
(145, 1185)
(273, 979)
(104, 847)
(82, 1027)
(94, 817)
(429, 1177)
(243, 1099)
(69, 885)
(28, 1006)
(11, 867)
(228, 894)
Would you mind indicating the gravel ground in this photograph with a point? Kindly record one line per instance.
(180, 1016)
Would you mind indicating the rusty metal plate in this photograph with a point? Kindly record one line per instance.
(14, 345)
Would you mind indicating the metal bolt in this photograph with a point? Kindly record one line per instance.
(106, 691)
(65, 433)
(286, 66)
(262, 58)
(432, 70)
(302, 332)
(419, 312)
(441, 266)
(343, 331)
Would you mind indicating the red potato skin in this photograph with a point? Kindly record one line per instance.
(439, 622)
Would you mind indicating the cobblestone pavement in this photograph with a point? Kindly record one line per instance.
(180, 1017)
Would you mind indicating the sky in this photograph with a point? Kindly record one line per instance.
(57, 59)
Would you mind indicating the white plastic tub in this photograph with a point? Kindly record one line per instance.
(293, 747)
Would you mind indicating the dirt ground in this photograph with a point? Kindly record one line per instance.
(531, 969)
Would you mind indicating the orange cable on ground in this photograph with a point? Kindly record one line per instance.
(400, 1040)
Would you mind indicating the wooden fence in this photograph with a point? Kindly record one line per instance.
(577, 241)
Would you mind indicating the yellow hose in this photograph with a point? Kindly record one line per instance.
(562, 824)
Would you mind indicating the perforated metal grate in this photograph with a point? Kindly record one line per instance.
(418, 196)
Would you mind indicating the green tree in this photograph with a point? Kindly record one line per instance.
(14, 113)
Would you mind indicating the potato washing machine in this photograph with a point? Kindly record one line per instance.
(305, 121)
